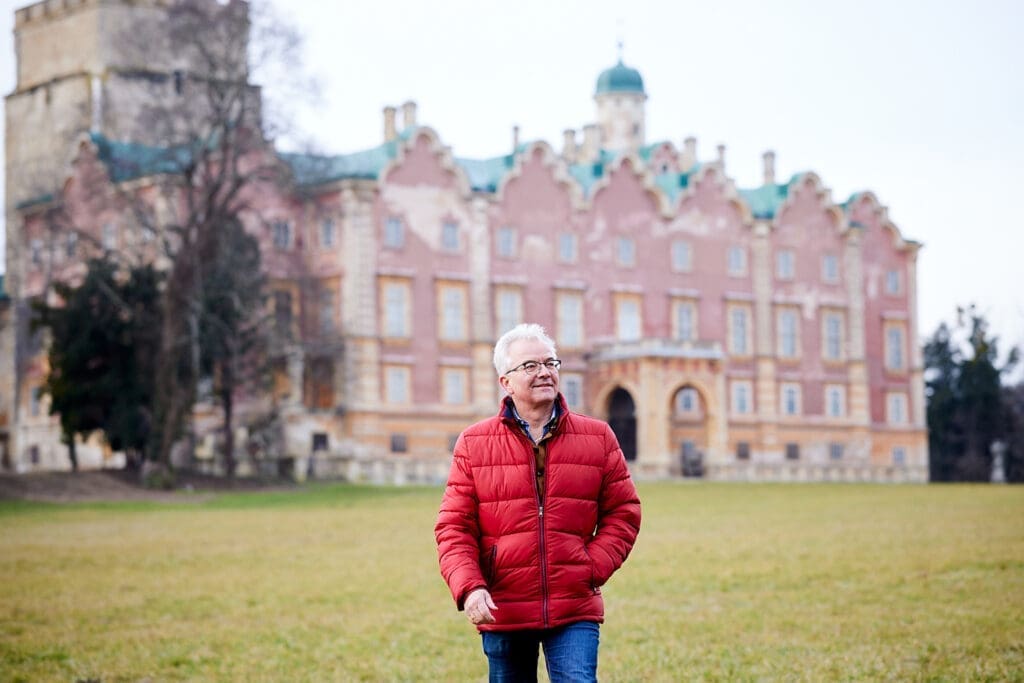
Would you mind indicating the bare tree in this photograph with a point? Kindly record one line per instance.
(218, 160)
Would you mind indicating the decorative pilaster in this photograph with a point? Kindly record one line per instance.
(764, 342)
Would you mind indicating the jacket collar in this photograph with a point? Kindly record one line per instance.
(508, 413)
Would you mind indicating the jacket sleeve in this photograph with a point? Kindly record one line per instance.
(457, 529)
(618, 514)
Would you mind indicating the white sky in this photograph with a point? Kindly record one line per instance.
(919, 101)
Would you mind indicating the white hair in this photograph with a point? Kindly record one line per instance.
(519, 333)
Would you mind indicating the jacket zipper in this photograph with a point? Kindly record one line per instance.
(543, 551)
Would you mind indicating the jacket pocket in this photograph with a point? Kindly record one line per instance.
(594, 587)
(489, 565)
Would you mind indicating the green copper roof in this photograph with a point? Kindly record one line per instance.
(129, 160)
(619, 78)
(765, 201)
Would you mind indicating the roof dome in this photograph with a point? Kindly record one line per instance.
(619, 78)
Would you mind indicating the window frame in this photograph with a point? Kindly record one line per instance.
(394, 233)
(397, 385)
(681, 263)
(569, 330)
(785, 264)
(396, 324)
(736, 260)
(446, 317)
(732, 310)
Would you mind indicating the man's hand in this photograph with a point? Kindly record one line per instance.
(478, 607)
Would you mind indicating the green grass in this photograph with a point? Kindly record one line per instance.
(334, 583)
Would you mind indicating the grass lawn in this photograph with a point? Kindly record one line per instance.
(339, 583)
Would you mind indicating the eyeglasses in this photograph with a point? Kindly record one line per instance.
(532, 367)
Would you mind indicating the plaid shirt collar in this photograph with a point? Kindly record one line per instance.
(510, 413)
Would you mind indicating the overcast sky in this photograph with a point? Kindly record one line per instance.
(918, 101)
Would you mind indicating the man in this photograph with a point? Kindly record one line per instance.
(539, 511)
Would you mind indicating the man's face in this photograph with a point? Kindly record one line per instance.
(525, 389)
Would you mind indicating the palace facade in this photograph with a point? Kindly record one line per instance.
(754, 333)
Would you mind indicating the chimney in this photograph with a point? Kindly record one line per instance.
(515, 139)
(390, 132)
(689, 153)
(569, 145)
(409, 115)
(769, 167)
(591, 142)
(721, 157)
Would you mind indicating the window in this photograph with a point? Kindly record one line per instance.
(399, 443)
(454, 382)
(394, 233)
(327, 233)
(682, 257)
(109, 236)
(570, 319)
(739, 330)
(893, 283)
(320, 442)
(71, 244)
(318, 384)
(785, 264)
(36, 251)
(792, 451)
(835, 400)
(894, 359)
(687, 402)
(896, 408)
(397, 319)
(789, 330)
(899, 455)
(326, 310)
(835, 451)
(452, 305)
(567, 247)
(742, 398)
(832, 330)
(396, 384)
(626, 251)
(789, 398)
(684, 320)
(450, 236)
(830, 268)
(508, 309)
(506, 242)
(283, 313)
(743, 450)
(572, 389)
(737, 261)
(627, 319)
(282, 234)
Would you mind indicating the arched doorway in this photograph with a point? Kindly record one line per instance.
(688, 431)
(622, 419)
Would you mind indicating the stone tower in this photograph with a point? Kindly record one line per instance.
(620, 99)
(86, 66)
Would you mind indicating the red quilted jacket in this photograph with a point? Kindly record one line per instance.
(543, 565)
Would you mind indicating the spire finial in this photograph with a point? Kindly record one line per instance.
(619, 42)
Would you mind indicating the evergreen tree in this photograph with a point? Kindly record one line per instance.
(966, 403)
(103, 346)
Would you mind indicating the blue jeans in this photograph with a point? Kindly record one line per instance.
(570, 653)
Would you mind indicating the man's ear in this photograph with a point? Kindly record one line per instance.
(503, 381)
